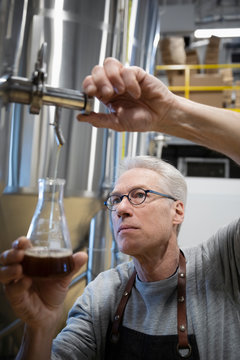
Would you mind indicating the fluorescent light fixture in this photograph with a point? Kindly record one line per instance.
(207, 33)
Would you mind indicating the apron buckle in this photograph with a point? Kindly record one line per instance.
(184, 353)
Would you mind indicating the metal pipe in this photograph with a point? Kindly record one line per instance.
(78, 278)
(10, 328)
(22, 90)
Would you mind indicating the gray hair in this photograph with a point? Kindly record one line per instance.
(173, 180)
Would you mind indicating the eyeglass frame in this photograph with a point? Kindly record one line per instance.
(129, 199)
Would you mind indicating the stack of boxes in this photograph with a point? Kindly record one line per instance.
(237, 95)
(192, 59)
(227, 77)
(212, 98)
(173, 52)
(212, 54)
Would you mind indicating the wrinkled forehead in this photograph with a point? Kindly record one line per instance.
(139, 177)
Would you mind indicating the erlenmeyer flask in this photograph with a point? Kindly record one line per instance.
(51, 252)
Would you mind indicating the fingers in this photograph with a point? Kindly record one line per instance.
(113, 79)
(105, 80)
(10, 267)
(11, 273)
(21, 243)
(112, 68)
(98, 84)
(132, 77)
(15, 255)
(11, 256)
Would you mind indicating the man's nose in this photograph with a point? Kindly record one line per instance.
(124, 207)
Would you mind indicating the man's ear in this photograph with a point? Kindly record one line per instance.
(179, 212)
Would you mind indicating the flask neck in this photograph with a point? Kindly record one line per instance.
(51, 190)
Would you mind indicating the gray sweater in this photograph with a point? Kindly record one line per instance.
(213, 304)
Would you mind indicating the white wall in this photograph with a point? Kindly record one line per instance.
(211, 203)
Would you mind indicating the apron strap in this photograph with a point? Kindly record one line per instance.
(181, 310)
(114, 335)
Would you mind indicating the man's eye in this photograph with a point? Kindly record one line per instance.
(138, 194)
(115, 200)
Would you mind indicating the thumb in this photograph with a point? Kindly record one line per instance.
(80, 258)
(101, 120)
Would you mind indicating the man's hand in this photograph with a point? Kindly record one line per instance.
(136, 100)
(38, 302)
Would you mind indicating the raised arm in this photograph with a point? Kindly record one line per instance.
(140, 102)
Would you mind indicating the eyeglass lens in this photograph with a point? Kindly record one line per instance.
(135, 196)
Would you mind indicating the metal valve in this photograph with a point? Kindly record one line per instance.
(36, 93)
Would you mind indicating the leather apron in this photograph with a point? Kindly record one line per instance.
(127, 344)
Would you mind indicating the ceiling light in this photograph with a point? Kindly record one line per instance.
(207, 33)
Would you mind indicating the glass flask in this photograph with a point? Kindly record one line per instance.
(50, 254)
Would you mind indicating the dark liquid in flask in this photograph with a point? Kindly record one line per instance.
(40, 262)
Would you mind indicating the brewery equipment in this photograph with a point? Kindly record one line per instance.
(79, 34)
(36, 93)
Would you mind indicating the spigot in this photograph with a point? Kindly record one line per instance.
(36, 93)
(58, 131)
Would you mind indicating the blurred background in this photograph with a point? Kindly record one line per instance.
(47, 47)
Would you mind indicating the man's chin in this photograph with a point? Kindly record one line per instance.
(128, 249)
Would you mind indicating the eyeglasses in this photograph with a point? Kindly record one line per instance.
(135, 197)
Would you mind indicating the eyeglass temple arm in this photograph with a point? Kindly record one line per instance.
(161, 194)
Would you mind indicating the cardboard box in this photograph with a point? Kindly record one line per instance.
(227, 76)
(192, 59)
(213, 98)
(173, 50)
(212, 53)
(237, 95)
(173, 53)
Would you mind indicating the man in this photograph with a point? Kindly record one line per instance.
(165, 311)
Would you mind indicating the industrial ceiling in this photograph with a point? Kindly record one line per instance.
(204, 13)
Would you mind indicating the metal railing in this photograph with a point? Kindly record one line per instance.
(187, 87)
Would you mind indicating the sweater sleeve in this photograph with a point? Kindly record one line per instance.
(222, 256)
(77, 339)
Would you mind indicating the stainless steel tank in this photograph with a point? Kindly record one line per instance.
(79, 34)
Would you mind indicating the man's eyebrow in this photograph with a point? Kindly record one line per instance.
(115, 193)
(144, 187)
